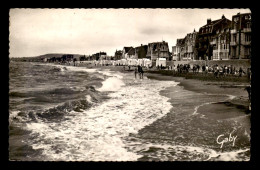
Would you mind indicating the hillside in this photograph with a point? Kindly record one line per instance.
(40, 57)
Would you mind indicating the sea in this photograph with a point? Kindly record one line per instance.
(68, 113)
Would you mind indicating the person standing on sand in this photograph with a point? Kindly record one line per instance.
(135, 72)
(217, 71)
(142, 72)
(206, 69)
(240, 72)
(248, 89)
(249, 73)
(203, 68)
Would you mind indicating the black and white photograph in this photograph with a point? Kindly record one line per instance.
(129, 84)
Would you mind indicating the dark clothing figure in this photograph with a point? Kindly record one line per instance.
(140, 71)
(198, 68)
(135, 72)
(240, 72)
(248, 89)
(194, 68)
(249, 74)
(203, 68)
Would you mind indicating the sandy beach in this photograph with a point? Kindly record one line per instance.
(237, 89)
(197, 101)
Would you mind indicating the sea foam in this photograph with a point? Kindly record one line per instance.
(97, 134)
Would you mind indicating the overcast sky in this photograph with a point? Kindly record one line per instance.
(35, 32)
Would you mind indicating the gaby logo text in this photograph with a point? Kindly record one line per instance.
(221, 139)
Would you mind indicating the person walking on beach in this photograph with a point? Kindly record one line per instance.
(248, 89)
(74, 61)
(240, 72)
(140, 71)
(217, 68)
(206, 69)
(198, 69)
(135, 72)
(249, 73)
(194, 68)
(203, 68)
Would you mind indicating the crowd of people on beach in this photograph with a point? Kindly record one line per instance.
(217, 70)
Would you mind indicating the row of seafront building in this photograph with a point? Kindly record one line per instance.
(151, 51)
(220, 39)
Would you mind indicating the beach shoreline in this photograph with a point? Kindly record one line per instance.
(232, 88)
(196, 113)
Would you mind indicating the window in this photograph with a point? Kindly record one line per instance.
(247, 37)
(248, 25)
(235, 38)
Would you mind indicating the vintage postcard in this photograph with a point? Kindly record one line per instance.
(129, 84)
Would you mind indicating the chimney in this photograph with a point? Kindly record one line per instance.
(141, 45)
(223, 16)
(208, 21)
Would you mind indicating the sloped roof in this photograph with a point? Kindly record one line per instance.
(212, 24)
(127, 49)
(144, 47)
(119, 52)
(181, 41)
(131, 51)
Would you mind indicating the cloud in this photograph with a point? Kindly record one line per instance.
(40, 31)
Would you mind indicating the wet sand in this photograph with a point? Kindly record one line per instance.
(237, 89)
(219, 113)
(214, 101)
